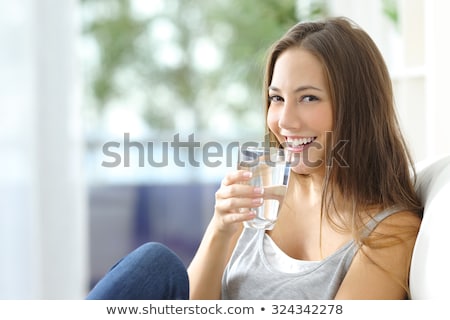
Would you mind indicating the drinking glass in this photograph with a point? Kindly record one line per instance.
(270, 171)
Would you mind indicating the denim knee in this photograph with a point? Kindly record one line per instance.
(152, 271)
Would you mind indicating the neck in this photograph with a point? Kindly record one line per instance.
(305, 189)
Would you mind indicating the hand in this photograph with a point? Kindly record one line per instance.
(234, 200)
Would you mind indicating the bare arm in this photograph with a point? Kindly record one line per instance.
(382, 273)
(207, 267)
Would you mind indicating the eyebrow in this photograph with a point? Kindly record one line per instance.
(299, 89)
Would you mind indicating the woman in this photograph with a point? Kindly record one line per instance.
(350, 218)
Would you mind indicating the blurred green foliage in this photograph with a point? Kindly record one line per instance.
(201, 56)
(390, 9)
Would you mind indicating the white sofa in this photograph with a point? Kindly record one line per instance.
(430, 266)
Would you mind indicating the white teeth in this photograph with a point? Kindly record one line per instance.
(300, 141)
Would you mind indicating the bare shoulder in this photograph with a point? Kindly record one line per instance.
(405, 216)
(393, 238)
(383, 260)
(403, 224)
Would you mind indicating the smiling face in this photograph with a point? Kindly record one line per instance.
(300, 109)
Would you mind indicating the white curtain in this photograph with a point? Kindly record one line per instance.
(43, 221)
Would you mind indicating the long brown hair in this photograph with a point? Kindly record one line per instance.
(378, 171)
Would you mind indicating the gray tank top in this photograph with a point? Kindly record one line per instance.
(250, 275)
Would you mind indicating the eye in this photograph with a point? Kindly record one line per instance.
(275, 98)
(308, 98)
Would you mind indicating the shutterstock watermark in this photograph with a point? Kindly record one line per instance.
(184, 152)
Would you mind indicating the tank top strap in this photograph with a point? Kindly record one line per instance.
(373, 223)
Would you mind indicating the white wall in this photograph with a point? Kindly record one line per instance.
(437, 86)
(43, 230)
(421, 82)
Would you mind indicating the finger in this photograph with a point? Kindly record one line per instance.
(239, 190)
(238, 176)
(239, 217)
(275, 192)
(232, 205)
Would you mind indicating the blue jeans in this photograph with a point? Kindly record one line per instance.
(151, 272)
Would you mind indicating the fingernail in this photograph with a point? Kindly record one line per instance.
(247, 174)
(258, 201)
(258, 190)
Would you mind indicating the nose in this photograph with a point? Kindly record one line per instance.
(288, 117)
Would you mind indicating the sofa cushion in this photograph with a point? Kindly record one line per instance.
(430, 265)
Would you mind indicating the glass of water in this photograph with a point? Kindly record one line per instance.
(270, 170)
